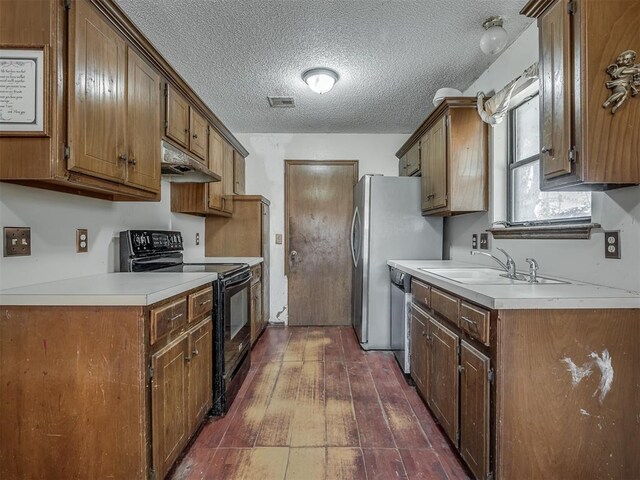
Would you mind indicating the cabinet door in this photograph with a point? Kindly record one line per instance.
(555, 90)
(169, 404)
(438, 163)
(227, 179)
(238, 174)
(216, 165)
(425, 167)
(198, 142)
(402, 166)
(443, 377)
(177, 126)
(412, 165)
(143, 130)
(97, 103)
(474, 410)
(419, 361)
(200, 372)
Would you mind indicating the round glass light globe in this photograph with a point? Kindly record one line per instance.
(493, 40)
(320, 80)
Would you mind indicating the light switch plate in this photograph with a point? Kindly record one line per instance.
(612, 245)
(278, 239)
(82, 240)
(17, 241)
(197, 238)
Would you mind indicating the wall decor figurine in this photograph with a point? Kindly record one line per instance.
(625, 80)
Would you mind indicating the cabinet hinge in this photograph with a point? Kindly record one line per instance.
(458, 349)
(491, 375)
(447, 120)
(166, 124)
(573, 155)
(572, 7)
(151, 372)
(67, 4)
(67, 152)
(458, 437)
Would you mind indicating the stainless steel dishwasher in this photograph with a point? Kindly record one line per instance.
(400, 322)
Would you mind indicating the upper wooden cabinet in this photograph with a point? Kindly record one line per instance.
(185, 126)
(584, 145)
(409, 165)
(238, 174)
(452, 146)
(103, 103)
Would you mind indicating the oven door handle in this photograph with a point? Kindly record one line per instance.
(240, 283)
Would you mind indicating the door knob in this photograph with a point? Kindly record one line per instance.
(293, 253)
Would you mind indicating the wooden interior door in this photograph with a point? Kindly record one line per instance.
(97, 103)
(318, 210)
(143, 116)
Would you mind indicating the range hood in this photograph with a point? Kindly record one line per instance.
(183, 168)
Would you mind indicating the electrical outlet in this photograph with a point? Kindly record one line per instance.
(197, 238)
(278, 239)
(17, 241)
(474, 241)
(612, 245)
(82, 240)
(484, 241)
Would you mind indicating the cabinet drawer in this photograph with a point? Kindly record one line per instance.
(168, 318)
(446, 305)
(256, 271)
(475, 321)
(200, 303)
(421, 293)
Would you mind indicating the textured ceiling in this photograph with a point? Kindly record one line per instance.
(391, 55)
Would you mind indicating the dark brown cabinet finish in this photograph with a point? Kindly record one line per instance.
(585, 146)
(200, 372)
(103, 103)
(474, 409)
(453, 151)
(419, 364)
(169, 394)
(443, 377)
(257, 318)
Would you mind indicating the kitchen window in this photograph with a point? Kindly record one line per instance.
(527, 205)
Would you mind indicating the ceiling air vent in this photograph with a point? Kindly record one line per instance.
(282, 102)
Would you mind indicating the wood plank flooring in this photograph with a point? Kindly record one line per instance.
(316, 406)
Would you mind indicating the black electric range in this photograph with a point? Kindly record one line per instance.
(160, 251)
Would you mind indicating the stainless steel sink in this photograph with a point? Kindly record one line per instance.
(484, 276)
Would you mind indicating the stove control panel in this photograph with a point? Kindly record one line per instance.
(154, 241)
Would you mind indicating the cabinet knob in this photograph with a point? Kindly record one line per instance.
(195, 135)
(546, 150)
(195, 351)
(132, 161)
(124, 157)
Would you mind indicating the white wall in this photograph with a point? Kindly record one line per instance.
(576, 259)
(54, 218)
(265, 176)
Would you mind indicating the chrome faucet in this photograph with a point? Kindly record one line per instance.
(533, 270)
(509, 267)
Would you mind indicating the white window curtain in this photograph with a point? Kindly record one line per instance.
(494, 110)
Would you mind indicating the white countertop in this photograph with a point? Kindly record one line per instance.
(511, 297)
(124, 289)
(252, 261)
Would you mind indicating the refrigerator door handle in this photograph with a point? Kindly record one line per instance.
(353, 224)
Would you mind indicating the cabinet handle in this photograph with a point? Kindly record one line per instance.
(546, 150)
(460, 368)
(132, 161)
(431, 195)
(424, 334)
(124, 157)
(195, 135)
(204, 303)
(195, 352)
(186, 130)
(176, 317)
(468, 320)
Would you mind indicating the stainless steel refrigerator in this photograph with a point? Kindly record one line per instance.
(387, 225)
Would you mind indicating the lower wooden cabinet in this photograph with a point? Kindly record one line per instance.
(181, 393)
(419, 366)
(474, 409)
(442, 358)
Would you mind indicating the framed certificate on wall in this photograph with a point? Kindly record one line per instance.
(22, 87)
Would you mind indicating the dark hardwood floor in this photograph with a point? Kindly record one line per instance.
(315, 406)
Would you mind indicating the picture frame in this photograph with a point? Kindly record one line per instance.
(23, 82)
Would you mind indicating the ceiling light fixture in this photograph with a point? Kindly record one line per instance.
(320, 80)
(495, 38)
